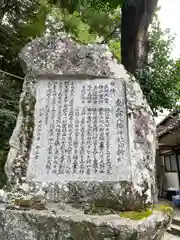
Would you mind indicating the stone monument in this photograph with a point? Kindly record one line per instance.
(84, 140)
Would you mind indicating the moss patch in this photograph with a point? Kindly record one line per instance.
(142, 214)
(137, 215)
(33, 203)
(23, 202)
(164, 208)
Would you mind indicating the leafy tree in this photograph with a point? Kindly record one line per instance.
(13, 15)
(9, 98)
(87, 24)
(159, 78)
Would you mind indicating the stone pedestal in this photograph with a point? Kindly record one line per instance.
(73, 224)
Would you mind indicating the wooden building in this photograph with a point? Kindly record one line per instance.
(168, 153)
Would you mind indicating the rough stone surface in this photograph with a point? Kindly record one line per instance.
(168, 236)
(72, 224)
(62, 56)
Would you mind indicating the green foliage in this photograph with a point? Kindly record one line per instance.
(159, 79)
(78, 29)
(35, 26)
(100, 5)
(115, 48)
(8, 113)
(90, 22)
(14, 13)
(87, 25)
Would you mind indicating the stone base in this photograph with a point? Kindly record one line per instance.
(67, 223)
(120, 196)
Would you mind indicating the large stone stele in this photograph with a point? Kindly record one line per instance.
(84, 139)
(121, 149)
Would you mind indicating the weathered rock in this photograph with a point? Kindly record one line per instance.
(57, 224)
(55, 57)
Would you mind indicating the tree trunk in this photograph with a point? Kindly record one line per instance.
(136, 17)
(1, 7)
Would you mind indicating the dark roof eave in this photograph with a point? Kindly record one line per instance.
(168, 131)
(167, 117)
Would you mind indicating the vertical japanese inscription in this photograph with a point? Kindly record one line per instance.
(120, 128)
(82, 141)
(70, 128)
(76, 142)
(85, 130)
(95, 140)
(107, 142)
(47, 120)
(63, 143)
(38, 135)
(56, 124)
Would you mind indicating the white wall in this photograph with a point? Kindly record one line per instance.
(172, 181)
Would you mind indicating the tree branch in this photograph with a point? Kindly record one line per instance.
(108, 36)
